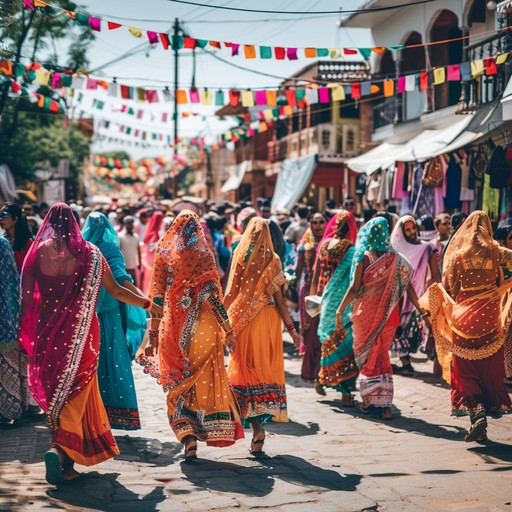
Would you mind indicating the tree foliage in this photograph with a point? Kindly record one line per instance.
(30, 137)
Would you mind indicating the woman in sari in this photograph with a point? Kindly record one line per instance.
(306, 256)
(380, 276)
(469, 315)
(338, 369)
(339, 235)
(256, 307)
(122, 328)
(61, 282)
(242, 221)
(147, 253)
(15, 398)
(17, 232)
(185, 350)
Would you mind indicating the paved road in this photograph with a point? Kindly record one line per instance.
(327, 459)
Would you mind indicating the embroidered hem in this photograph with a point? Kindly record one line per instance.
(466, 410)
(262, 400)
(217, 429)
(123, 418)
(377, 391)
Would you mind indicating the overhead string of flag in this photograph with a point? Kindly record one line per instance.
(248, 51)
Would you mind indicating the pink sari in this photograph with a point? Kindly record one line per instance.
(375, 318)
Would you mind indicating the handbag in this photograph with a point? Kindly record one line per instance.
(313, 305)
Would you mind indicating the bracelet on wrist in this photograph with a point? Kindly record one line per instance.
(289, 327)
(147, 304)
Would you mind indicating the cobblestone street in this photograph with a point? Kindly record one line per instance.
(326, 458)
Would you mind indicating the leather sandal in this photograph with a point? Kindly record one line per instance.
(258, 442)
(478, 431)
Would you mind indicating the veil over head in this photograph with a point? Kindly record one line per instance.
(256, 274)
(152, 234)
(60, 283)
(184, 277)
(98, 228)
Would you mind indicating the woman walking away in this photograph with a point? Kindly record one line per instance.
(380, 277)
(338, 369)
(469, 315)
(256, 306)
(185, 351)
(61, 282)
(15, 396)
(339, 235)
(122, 328)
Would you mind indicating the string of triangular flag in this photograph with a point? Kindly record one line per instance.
(248, 51)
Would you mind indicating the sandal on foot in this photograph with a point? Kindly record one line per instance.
(54, 474)
(347, 402)
(365, 409)
(319, 389)
(478, 430)
(406, 370)
(191, 452)
(254, 442)
(386, 413)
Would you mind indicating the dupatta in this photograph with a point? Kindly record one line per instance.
(255, 275)
(383, 285)
(184, 277)
(99, 231)
(62, 361)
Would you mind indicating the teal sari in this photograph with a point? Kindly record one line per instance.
(337, 367)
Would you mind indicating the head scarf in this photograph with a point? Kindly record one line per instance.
(62, 360)
(9, 297)
(244, 217)
(474, 239)
(336, 222)
(152, 234)
(184, 277)
(255, 275)
(374, 236)
(98, 229)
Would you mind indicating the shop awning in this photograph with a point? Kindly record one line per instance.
(292, 180)
(504, 6)
(427, 144)
(234, 181)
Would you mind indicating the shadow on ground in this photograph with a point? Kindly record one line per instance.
(103, 492)
(292, 428)
(147, 451)
(412, 425)
(259, 479)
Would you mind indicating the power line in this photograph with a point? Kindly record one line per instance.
(345, 11)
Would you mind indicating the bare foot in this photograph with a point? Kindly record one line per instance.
(347, 400)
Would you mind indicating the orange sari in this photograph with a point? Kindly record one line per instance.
(190, 360)
(256, 368)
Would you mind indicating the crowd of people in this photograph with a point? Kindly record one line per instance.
(86, 291)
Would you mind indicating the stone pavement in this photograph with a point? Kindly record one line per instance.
(327, 459)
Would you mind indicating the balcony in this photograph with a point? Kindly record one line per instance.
(331, 142)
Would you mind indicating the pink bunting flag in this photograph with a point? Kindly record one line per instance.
(28, 3)
(91, 84)
(323, 95)
(401, 84)
(291, 53)
(261, 117)
(140, 114)
(234, 49)
(165, 116)
(194, 96)
(152, 96)
(261, 97)
(56, 80)
(95, 24)
(152, 37)
(454, 72)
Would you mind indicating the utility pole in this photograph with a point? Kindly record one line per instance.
(176, 34)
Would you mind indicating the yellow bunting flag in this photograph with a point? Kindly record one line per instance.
(500, 59)
(249, 51)
(42, 77)
(439, 76)
(247, 99)
(338, 93)
(206, 97)
(135, 32)
(268, 115)
(477, 68)
(334, 53)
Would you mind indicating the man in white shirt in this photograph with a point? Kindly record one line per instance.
(130, 247)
